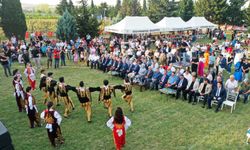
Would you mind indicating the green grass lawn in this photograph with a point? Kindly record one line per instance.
(158, 123)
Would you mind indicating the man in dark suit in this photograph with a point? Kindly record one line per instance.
(123, 69)
(164, 79)
(219, 94)
(181, 86)
(148, 77)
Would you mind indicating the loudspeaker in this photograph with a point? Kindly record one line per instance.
(5, 139)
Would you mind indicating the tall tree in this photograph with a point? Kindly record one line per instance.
(126, 8)
(201, 7)
(157, 9)
(217, 10)
(135, 7)
(235, 13)
(144, 6)
(186, 10)
(66, 27)
(118, 4)
(247, 15)
(61, 7)
(71, 8)
(86, 23)
(173, 8)
(13, 19)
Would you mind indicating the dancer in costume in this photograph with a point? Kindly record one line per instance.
(84, 96)
(119, 124)
(62, 91)
(31, 109)
(53, 120)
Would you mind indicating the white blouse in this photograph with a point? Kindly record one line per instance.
(231, 85)
(110, 123)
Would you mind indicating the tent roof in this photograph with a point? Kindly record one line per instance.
(200, 22)
(172, 24)
(133, 25)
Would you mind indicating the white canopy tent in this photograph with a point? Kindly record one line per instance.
(172, 24)
(199, 23)
(133, 25)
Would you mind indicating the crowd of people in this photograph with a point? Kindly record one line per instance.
(178, 66)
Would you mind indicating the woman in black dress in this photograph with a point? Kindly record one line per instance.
(194, 62)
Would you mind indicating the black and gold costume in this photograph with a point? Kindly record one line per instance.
(126, 88)
(62, 91)
(105, 96)
(43, 87)
(50, 87)
(84, 97)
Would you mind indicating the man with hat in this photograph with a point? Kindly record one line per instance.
(53, 120)
(62, 91)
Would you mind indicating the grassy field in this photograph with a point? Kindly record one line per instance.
(158, 123)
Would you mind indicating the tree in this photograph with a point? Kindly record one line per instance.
(247, 15)
(71, 8)
(186, 10)
(135, 7)
(144, 6)
(126, 8)
(172, 9)
(201, 7)
(61, 7)
(217, 10)
(118, 5)
(13, 18)
(157, 9)
(235, 14)
(66, 27)
(86, 23)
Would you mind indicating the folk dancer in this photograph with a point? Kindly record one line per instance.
(53, 120)
(30, 74)
(119, 124)
(42, 85)
(19, 93)
(50, 86)
(105, 96)
(126, 88)
(62, 91)
(31, 109)
(84, 97)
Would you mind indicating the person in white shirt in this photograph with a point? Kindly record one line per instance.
(53, 120)
(231, 84)
(119, 124)
(31, 109)
(237, 45)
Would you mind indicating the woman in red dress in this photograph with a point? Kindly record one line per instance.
(30, 74)
(119, 124)
(201, 66)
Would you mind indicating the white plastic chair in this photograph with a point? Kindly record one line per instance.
(230, 101)
(200, 98)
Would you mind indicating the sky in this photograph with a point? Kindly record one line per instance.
(55, 2)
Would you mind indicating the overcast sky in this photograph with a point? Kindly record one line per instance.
(55, 2)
